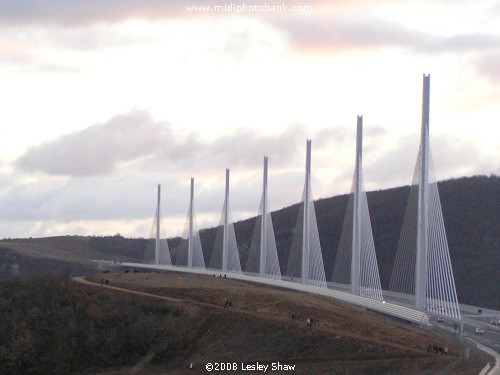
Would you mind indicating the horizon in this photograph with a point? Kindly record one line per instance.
(240, 220)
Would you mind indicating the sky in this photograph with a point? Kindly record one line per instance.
(101, 100)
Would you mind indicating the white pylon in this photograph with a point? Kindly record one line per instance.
(421, 271)
(157, 242)
(191, 238)
(356, 218)
(225, 236)
(307, 219)
(263, 226)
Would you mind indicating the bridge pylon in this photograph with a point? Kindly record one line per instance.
(423, 267)
(305, 261)
(356, 261)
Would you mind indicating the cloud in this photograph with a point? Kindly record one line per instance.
(488, 66)
(340, 32)
(62, 204)
(80, 13)
(136, 140)
(451, 155)
(99, 148)
(243, 148)
(463, 43)
(109, 171)
(329, 28)
(454, 156)
(129, 195)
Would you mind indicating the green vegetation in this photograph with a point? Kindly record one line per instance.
(118, 245)
(49, 325)
(13, 264)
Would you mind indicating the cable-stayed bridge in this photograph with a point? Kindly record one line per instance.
(422, 273)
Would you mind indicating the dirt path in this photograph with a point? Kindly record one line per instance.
(233, 310)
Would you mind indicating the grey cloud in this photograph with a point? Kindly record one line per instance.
(347, 27)
(336, 135)
(339, 33)
(141, 153)
(395, 166)
(81, 13)
(99, 148)
(336, 33)
(452, 157)
(374, 131)
(75, 13)
(49, 205)
(6, 179)
(130, 195)
(33, 52)
(140, 142)
(245, 149)
(464, 42)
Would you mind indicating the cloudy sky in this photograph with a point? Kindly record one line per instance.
(101, 100)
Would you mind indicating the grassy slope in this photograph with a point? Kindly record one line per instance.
(344, 338)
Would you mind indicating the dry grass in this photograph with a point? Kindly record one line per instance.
(344, 339)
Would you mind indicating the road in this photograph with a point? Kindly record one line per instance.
(491, 336)
(471, 318)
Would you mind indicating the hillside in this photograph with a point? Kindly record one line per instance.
(471, 211)
(50, 325)
(54, 325)
(267, 325)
